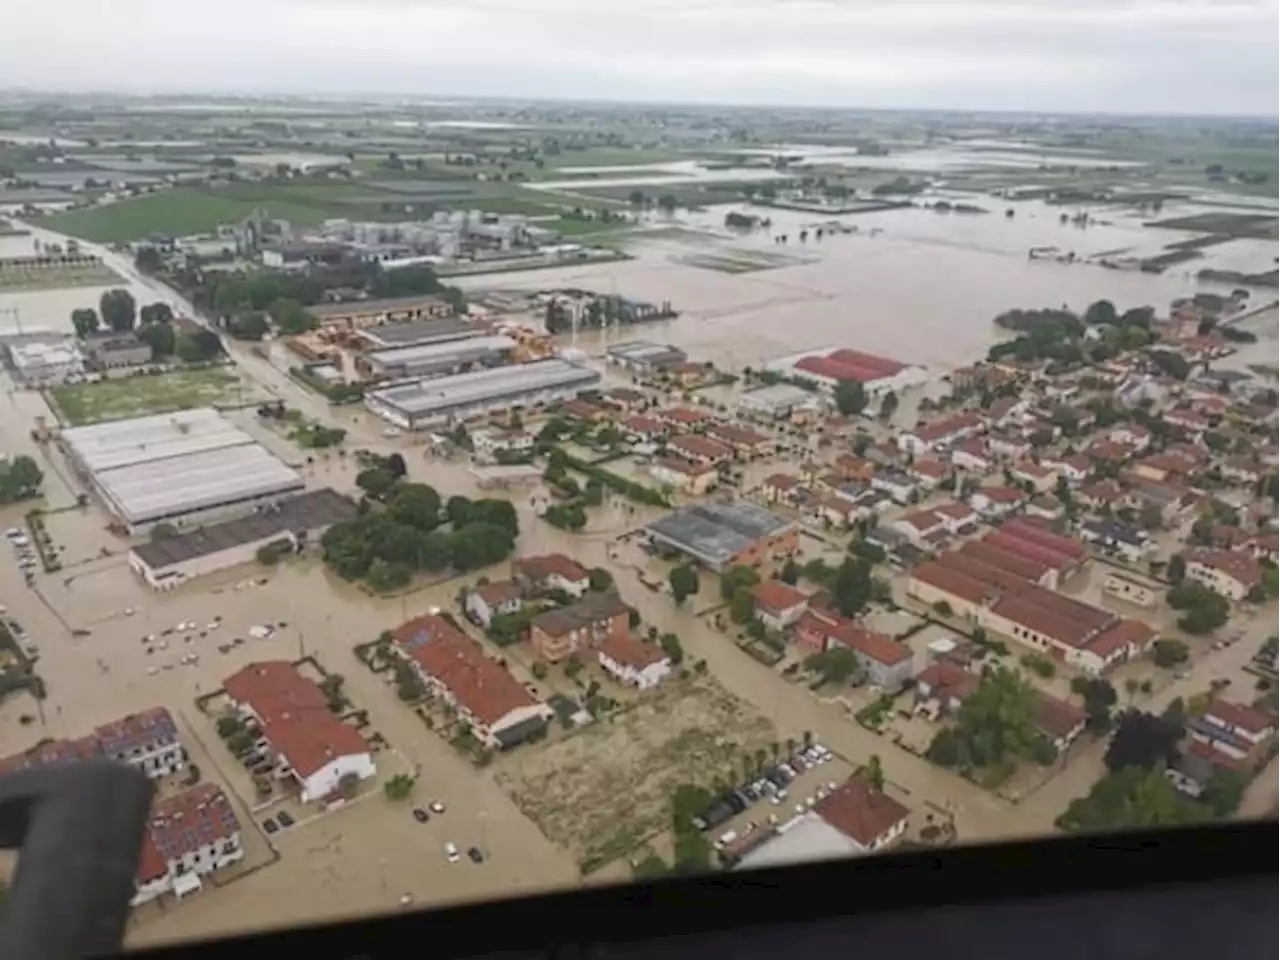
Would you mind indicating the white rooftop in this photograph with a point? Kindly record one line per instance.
(105, 446)
(161, 467)
(26, 355)
(805, 839)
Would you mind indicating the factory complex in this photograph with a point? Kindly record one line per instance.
(182, 468)
(428, 403)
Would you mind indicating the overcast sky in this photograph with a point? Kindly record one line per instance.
(1167, 56)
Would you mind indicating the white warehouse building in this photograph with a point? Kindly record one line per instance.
(184, 469)
(428, 403)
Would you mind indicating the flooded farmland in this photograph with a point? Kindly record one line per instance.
(914, 284)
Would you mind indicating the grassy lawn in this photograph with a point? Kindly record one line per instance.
(83, 403)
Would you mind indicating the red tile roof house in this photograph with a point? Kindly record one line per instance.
(942, 687)
(918, 527)
(625, 400)
(1225, 572)
(997, 501)
(1059, 721)
(1042, 478)
(585, 411)
(972, 455)
(188, 836)
(551, 571)
(310, 744)
(498, 708)
(887, 663)
(700, 449)
(833, 510)
(1234, 730)
(1075, 467)
(930, 472)
(644, 428)
(633, 662)
(485, 601)
(780, 488)
(939, 433)
(745, 443)
(147, 740)
(688, 477)
(778, 605)
(558, 634)
(867, 816)
(956, 515)
(684, 419)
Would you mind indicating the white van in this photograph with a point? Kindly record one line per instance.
(451, 853)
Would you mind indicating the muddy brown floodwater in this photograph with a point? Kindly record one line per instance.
(924, 290)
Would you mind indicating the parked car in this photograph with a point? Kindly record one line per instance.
(285, 819)
(421, 815)
(451, 853)
(269, 825)
(436, 806)
(476, 855)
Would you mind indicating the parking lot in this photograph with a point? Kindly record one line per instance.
(786, 788)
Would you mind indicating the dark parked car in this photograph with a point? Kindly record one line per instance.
(269, 825)
(476, 855)
(285, 819)
(421, 815)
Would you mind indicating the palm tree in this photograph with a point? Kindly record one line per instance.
(791, 745)
(762, 756)
(808, 739)
(775, 748)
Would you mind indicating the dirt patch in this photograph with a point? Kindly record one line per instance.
(604, 791)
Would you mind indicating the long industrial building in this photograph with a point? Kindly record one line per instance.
(435, 359)
(829, 369)
(183, 468)
(428, 403)
(172, 561)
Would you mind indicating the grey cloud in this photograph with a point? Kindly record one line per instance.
(1126, 55)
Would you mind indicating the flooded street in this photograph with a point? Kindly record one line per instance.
(912, 284)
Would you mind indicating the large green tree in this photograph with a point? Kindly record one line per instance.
(850, 398)
(119, 310)
(684, 582)
(85, 321)
(1132, 798)
(20, 479)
